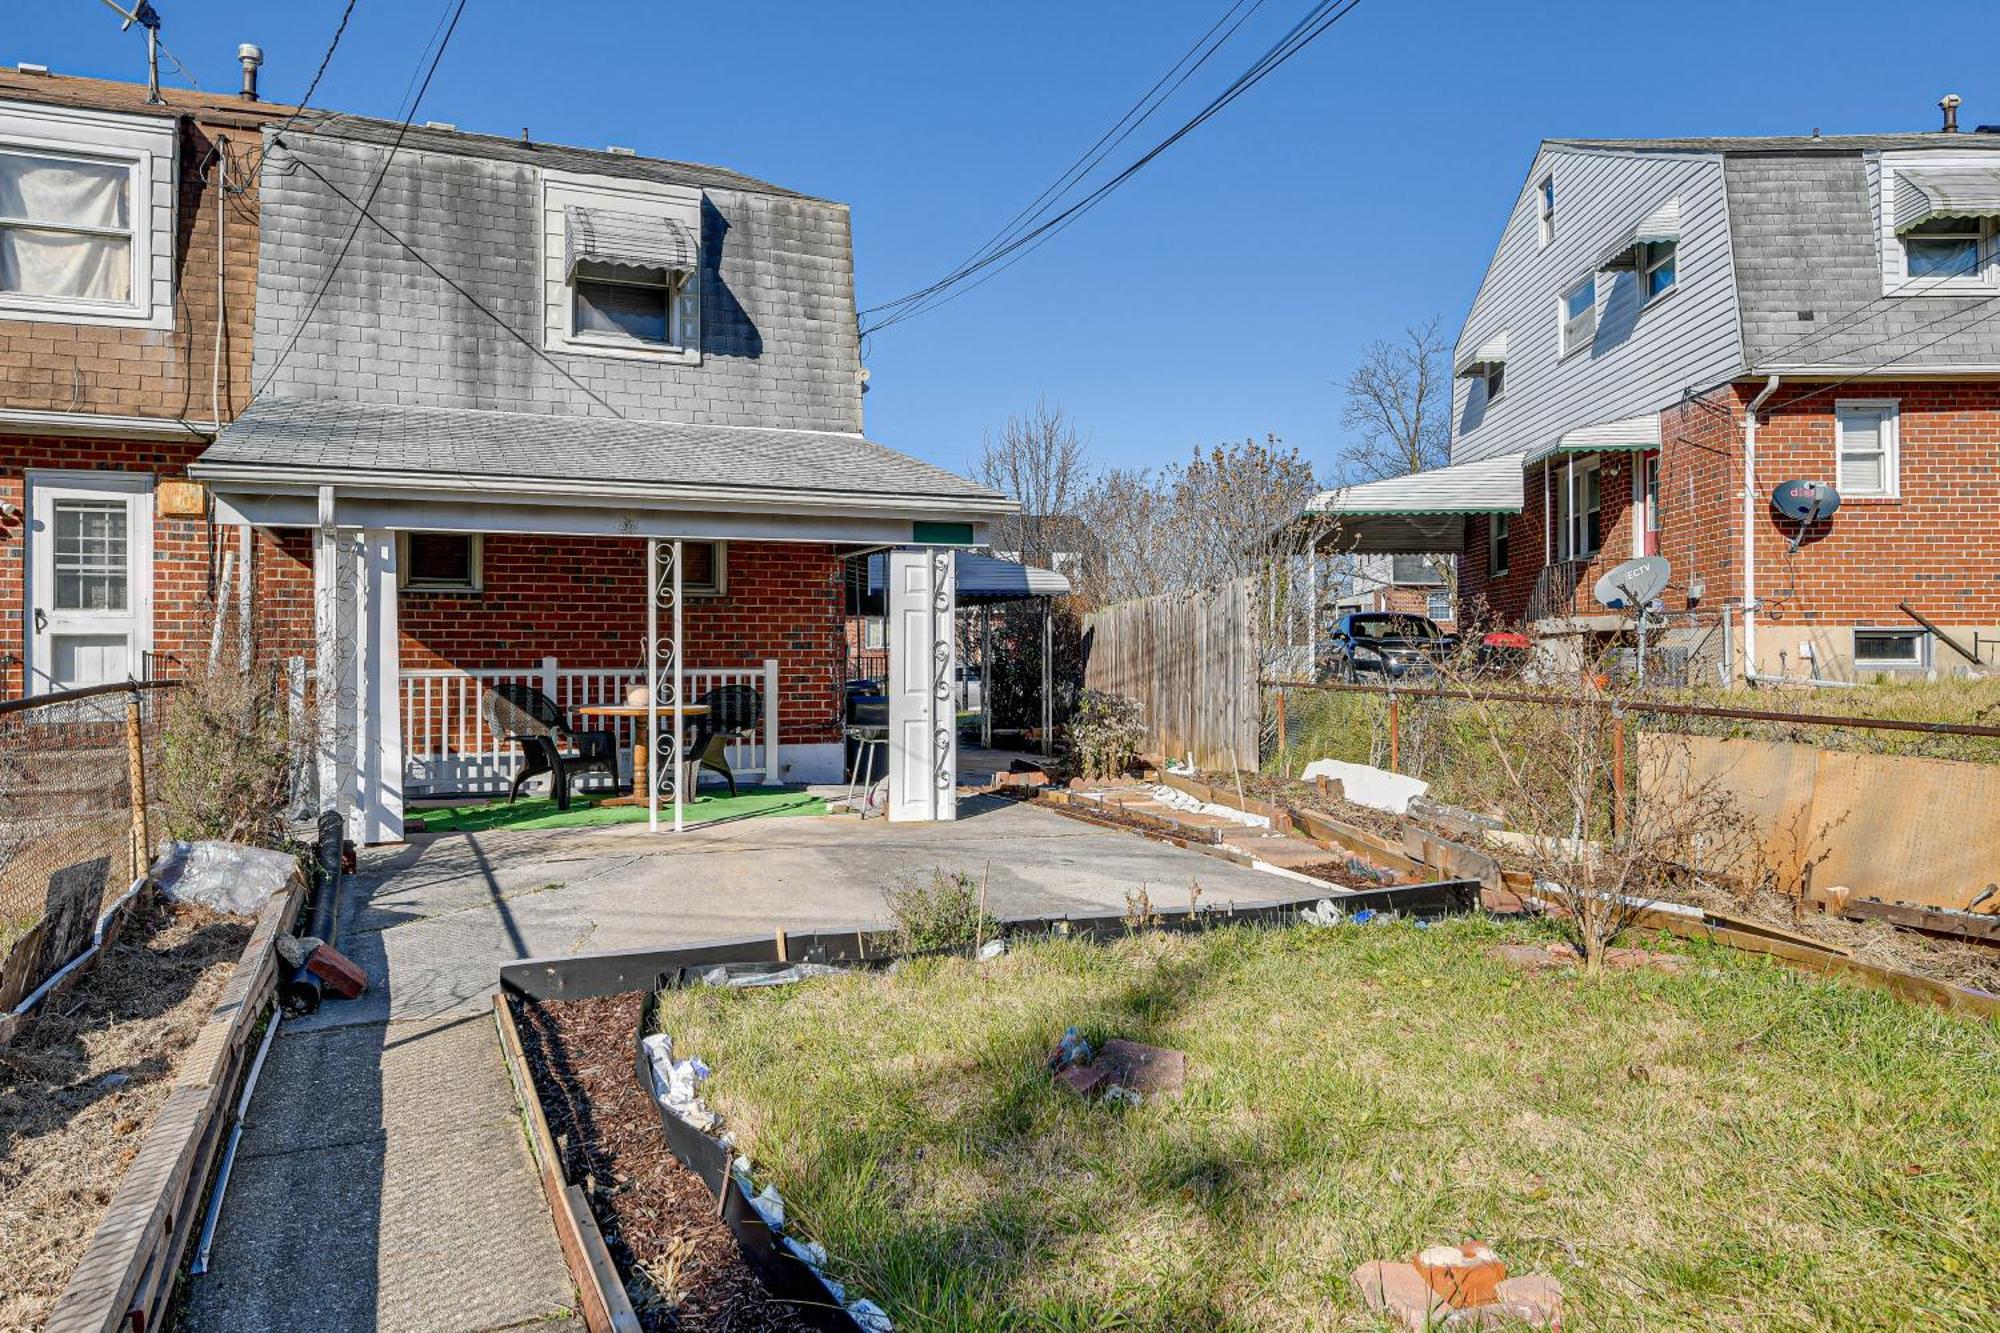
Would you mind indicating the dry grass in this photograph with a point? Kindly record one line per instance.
(1735, 1146)
(66, 1133)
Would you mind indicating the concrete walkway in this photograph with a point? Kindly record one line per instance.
(383, 1181)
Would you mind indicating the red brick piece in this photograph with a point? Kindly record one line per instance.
(1148, 1070)
(1085, 1081)
(340, 973)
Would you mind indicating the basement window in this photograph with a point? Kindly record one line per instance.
(1891, 649)
(439, 562)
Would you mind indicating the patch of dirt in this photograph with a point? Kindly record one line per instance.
(679, 1262)
(1539, 957)
(79, 1087)
(1343, 874)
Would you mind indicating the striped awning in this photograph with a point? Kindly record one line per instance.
(1640, 432)
(1661, 225)
(1945, 192)
(627, 240)
(1491, 353)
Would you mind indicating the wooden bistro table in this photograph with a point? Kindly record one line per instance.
(641, 743)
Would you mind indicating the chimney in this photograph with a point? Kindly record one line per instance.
(252, 56)
(1949, 104)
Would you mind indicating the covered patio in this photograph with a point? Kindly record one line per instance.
(457, 553)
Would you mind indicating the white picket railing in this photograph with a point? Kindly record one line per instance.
(449, 748)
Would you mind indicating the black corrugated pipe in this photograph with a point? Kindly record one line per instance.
(301, 992)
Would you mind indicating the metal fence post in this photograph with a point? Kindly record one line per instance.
(1284, 759)
(135, 765)
(1395, 736)
(1618, 772)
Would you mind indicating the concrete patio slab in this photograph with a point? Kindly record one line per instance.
(384, 1181)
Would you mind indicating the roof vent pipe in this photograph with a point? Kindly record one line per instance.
(252, 56)
(1949, 105)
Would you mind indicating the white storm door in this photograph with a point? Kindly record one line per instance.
(90, 579)
(923, 725)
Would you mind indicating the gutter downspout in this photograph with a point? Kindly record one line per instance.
(1750, 528)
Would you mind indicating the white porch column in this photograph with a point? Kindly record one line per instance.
(360, 725)
(923, 723)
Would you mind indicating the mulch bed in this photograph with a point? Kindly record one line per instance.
(1338, 873)
(81, 1083)
(679, 1262)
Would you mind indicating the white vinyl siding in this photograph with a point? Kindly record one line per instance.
(600, 320)
(1643, 355)
(1867, 448)
(1920, 261)
(1545, 196)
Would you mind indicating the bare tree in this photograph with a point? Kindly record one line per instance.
(1131, 551)
(1040, 461)
(1398, 407)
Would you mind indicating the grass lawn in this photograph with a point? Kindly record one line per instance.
(1733, 1146)
(540, 811)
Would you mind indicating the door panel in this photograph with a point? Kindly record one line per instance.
(90, 579)
(923, 733)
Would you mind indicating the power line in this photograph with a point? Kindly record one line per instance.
(362, 215)
(299, 109)
(1317, 20)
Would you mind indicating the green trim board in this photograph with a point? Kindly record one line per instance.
(941, 534)
(540, 812)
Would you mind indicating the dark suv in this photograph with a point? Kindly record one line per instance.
(1384, 644)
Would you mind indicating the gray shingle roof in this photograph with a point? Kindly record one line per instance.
(555, 157)
(301, 435)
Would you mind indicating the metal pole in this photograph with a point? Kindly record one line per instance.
(135, 765)
(1618, 774)
(1284, 763)
(680, 707)
(651, 777)
(1048, 676)
(1395, 736)
(986, 676)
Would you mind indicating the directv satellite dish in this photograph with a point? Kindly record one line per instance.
(1633, 584)
(1805, 501)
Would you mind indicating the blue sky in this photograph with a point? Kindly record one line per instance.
(1226, 290)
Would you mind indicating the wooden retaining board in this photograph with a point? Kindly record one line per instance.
(127, 1276)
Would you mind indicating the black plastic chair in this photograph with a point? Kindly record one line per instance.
(734, 711)
(530, 719)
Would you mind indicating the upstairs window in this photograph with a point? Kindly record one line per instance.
(1867, 441)
(1495, 378)
(627, 304)
(66, 229)
(1946, 248)
(1657, 267)
(1578, 310)
(1546, 208)
(623, 282)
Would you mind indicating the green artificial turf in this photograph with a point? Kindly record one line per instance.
(1734, 1145)
(584, 812)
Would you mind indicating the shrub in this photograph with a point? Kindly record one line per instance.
(1106, 733)
(941, 915)
(227, 754)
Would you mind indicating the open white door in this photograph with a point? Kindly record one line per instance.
(923, 725)
(360, 721)
(90, 579)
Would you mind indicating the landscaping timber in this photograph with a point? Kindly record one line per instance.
(1965, 925)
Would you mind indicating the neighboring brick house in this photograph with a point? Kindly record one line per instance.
(528, 371)
(1644, 295)
(114, 369)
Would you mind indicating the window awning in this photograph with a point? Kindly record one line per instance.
(1658, 227)
(1422, 513)
(627, 240)
(1945, 192)
(1640, 432)
(1491, 353)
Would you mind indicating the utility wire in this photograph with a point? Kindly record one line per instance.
(299, 109)
(1317, 20)
(361, 216)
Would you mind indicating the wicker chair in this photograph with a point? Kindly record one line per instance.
(733, 711)
(531, 720)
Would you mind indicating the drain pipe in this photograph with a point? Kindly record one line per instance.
(1750, 528)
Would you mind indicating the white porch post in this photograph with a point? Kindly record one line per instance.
(923, 725)
(360, 742)
(1312, 605)
(663, 587)
(772, 773)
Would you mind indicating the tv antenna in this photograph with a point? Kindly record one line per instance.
(1806, 503)
(148, 18)
(1636, 584)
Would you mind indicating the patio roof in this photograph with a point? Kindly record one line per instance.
(1421, 513)
(458, 452)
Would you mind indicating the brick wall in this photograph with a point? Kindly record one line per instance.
(582, 601)
(1503, 600)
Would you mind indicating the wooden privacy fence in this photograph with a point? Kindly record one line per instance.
(1190, 660)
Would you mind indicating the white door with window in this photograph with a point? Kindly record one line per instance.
(90, 585)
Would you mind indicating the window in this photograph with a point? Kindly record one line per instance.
(1578, 521)
(1413, 571)
(704, 568)
(874, 632)
(66, 229)
(1866, 439)
(1945, 248)
(1891, 649)
(1547, 206)
(91, 573)
(440, 562)
(1656, 267)
(1650, 497)
(1438, 606)
(627, 305)
(1497, 529)
(1496, 380)
(1579, 315)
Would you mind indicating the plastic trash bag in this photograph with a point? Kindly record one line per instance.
(1323, 913)
(677, 1083)
(770, 1206)
(992, 949)
(747, 975)
(223, 876)
(870, 1316)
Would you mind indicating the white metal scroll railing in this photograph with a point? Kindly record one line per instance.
(449, 748)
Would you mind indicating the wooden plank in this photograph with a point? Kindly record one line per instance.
(1358, 841)
(1965, 925)
(606, 1306)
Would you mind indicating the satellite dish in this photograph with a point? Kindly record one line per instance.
(1633, 584)
(1805, 501)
